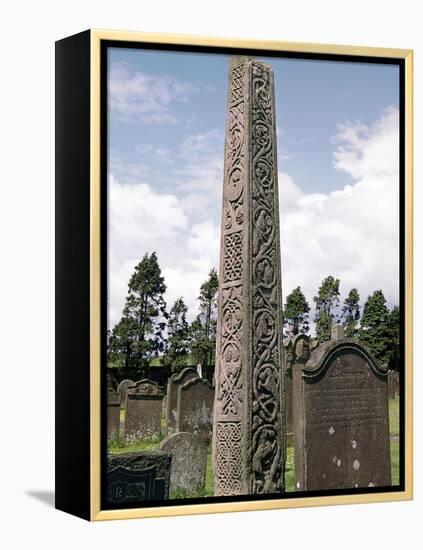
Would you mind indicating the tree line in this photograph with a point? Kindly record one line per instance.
(378, 327)
(149, 331)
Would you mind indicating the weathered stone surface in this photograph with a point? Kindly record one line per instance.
(341, 420)
(123, 388)
(189, 461)
(249, 434)
(195, 408)
(113, 414)
(288, 356)
(138, 477)
(337, 332)
(143, 411)
(175, 381)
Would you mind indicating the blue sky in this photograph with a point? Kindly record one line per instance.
(337, 126)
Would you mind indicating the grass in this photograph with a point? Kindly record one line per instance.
(289, 469)
(119, 446)
(395, 462)
(394, 416)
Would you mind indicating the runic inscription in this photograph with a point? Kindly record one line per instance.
(248, 412)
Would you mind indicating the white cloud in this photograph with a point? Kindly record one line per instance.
(143, 221)
(369, 151)
(148, 98)
(140, 220)
(352, 233)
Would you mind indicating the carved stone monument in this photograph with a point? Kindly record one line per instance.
(189, 460)
(248, 439)
(195, 408)
(113, 414)
(138, 477)
(143, 411)
(175, 381)
(341, 419)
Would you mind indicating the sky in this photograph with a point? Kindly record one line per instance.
(338, 172)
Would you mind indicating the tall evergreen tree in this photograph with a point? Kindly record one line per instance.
(139, 334)
(295, 313)
(375, 329)
(351, 313)
(203, 328)
(176, 354)
(327, 301)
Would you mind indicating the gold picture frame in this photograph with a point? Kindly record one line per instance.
(88, 503)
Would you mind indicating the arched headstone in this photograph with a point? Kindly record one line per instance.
(175, 381)
(341, 418)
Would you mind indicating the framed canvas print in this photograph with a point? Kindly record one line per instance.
(233, 275)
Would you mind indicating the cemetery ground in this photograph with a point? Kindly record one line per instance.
(118, 446)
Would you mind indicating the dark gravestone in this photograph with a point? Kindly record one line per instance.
(189, 461)
(391, 388)
(341, 420)
(396, 383)
(288, 357)
(134, 478)
(195, 408)
(143, 411)
(123, 388)
(393, 384)
(175, 381)
(113, 414)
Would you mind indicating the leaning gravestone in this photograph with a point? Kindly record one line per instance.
(143, 411)
(175, 381)
(195, 408)
(341, 419)
(133, 478)
(189, 460)
(123, 388)
(248, 426)
(113, 414)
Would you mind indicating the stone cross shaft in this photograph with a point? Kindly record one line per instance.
(248, 439)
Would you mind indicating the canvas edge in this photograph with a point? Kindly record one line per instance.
(97, 36)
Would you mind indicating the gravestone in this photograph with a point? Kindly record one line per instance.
(195, 408)
(341, 419)
(337, 332)
(396, 383)
(288, 357)
(123, 388)
(175, 381)
(393, 384)
(143, 411)
(189, 461)
(134, 478)
(249, 435)
(113, 414)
